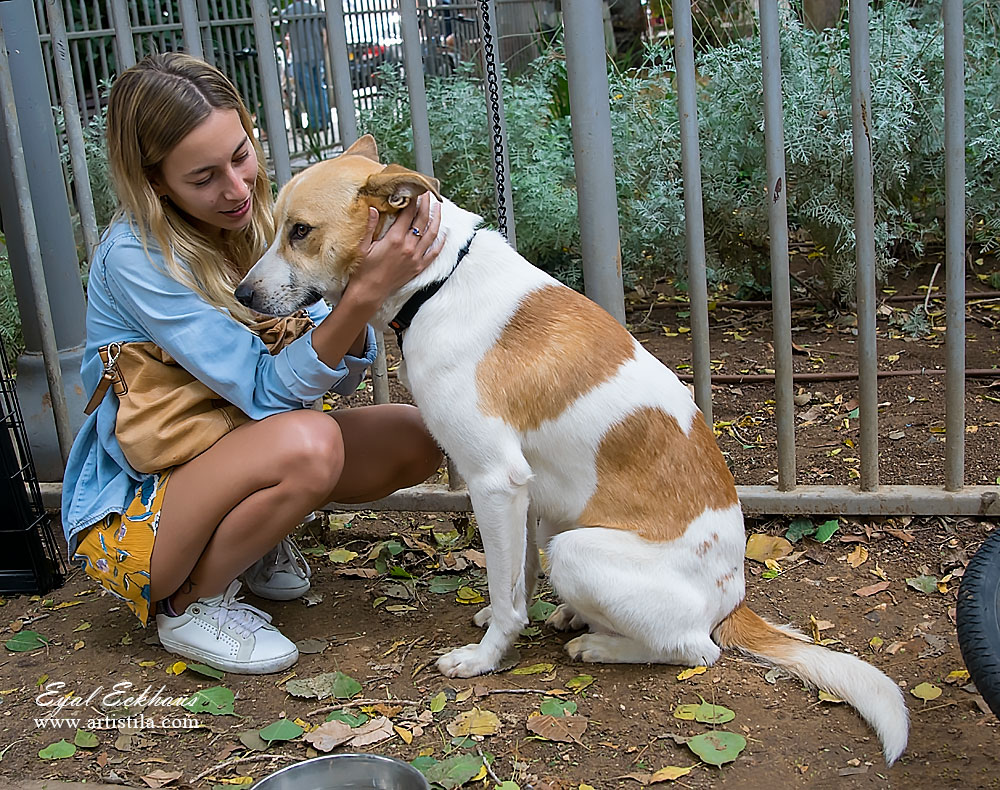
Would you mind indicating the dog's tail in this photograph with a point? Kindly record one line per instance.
(868, 690)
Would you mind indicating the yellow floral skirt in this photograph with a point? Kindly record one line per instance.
(116, 551)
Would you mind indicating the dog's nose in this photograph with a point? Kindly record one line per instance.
(244, 294)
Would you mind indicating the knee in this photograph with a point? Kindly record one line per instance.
(311, 451)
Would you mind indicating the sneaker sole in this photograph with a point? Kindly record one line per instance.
(272, 594)
(263, 667)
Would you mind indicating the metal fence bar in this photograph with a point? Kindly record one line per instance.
(811, 500)
(343, 93)
(593, 156)
(191, 26)
(954, 177)
(124, 42)
(415, 87)
(50, 349)
(74, 129)
(777, 212)
(277, 139)
(864, 231)
(694, 219)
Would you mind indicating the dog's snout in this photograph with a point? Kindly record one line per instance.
(244, 294)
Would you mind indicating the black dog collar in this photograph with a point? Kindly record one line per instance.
(405, 316)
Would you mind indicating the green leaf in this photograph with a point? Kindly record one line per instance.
(215, 701)
(540, 610)
(825, 530)
(423, 762)
(455, 771)
(394, 547)
(445, 584)
(207, 671)
(800, 528)
(85, 740)
(438, 702)
(59, 750)
(341, 555)
(579, 683)
(329, 684)
(924, 583)
(557, 707)
(398, 572)
(25, 641)
(717, 748)
(707, 713)
(853, 413)
(350, 719)
(281, 730)
(344, 686)
(252, 740)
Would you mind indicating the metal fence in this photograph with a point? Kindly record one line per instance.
(98, 32)
(230, 38)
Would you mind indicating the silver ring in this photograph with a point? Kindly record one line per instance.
(414, 231)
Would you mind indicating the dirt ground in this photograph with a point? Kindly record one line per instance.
(391, 592)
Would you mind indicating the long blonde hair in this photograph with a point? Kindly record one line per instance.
(153, 106)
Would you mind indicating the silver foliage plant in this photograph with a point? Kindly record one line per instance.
(907, 134)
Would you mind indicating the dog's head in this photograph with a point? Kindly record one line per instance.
(321, 217)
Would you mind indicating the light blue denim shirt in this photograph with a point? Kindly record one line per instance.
(131, 297)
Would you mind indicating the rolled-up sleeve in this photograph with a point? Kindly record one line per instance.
(217, 349)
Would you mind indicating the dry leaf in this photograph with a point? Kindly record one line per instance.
(374, 731)
(474, 722)
(329, 735)
(761, 547)
(864, 592)
(691, 672)
(565, 729)
(857, 557)
(161, 778)
(670, 773)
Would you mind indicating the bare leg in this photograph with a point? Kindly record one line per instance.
(226, 508)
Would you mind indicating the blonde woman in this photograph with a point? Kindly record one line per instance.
(195, 215)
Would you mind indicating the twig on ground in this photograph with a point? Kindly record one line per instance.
(254, 759)
(520, 691)
(930, 287)
(354, 703)
(489, 768)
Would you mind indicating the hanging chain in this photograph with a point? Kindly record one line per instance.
(493, 89)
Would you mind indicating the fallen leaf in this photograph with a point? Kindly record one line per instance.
(718, 747)
(762, 547)
(341, 555)
(926, 691)
(455, 771)
(85, 740)
(281, 730)
(25, 641)
(690, 672)
(565, 729)
(160, 778)
(579, 683)
(534, 669)
(59, 750)
(438, 702)
(375, 731)
(329, 684)
(957, 676)
(857, 557)
(557, 707)
(670, 773)
(474, 722)
(215, 701)
(923, 583)
(864, 592)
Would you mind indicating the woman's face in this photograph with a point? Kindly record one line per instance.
(210, 173)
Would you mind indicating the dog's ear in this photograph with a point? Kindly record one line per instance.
(394, 187)
(363, 146)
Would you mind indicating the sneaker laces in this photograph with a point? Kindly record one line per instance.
(287, 557)
(242, 617)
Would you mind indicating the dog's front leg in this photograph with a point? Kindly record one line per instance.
(501, 512)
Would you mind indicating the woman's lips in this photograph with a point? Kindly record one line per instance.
(240, 210)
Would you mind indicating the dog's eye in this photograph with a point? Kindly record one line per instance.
(299, 231)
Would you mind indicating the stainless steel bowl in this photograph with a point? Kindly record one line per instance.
(346, 772)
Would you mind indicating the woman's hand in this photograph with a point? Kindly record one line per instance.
(401, 254)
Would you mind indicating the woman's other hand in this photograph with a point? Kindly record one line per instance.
(400, 255)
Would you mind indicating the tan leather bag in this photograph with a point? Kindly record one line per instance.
(166, 416)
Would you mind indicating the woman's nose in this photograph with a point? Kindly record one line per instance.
(236, 186)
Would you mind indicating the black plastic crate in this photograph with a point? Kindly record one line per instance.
(30, 561)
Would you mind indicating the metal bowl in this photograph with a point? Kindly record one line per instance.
(346, 772)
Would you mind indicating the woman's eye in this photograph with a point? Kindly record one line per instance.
(203, 182)
(299, 231)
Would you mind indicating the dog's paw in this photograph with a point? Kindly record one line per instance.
(594, 648)
(564, 618)
(483, 617)
(467, 662)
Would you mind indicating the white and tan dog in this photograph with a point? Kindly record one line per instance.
(554, 414)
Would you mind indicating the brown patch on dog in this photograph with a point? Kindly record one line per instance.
(653, 479)
(724, 580)
(745, 629)
(558, 346)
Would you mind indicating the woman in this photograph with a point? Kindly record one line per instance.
(195, 215)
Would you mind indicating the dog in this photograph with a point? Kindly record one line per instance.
(570, 436)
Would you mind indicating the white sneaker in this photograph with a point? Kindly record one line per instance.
(228, 635)
(280, 575)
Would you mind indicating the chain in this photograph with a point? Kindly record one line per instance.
(493, 89)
